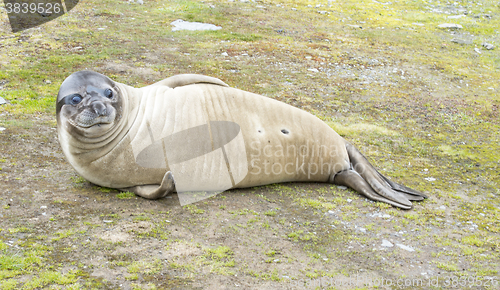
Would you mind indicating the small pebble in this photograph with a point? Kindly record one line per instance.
(406, 248)
(461, 41)
(387, 244)
(180, 24)
(456, 16)
(378, 214)
(450, 26)
(488, 46)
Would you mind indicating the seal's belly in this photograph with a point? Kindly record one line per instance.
(282, 143)
(210, 136)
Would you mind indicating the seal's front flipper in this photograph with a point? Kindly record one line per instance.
(189, 79)
(154, 191)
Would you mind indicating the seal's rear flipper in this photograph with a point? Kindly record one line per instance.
(352, 179)
(365, 179)
(411, 193)
(154, 191)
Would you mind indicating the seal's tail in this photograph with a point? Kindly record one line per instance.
(366, 180)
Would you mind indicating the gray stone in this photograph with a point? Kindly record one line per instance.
(386, 243)
(488, 46)
(381, 215)
(180, 24)
(461, 41)
(450, 26)
(456, 16)
(2, 101)
(406, 248)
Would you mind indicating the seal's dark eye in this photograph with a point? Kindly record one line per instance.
(108, 93)
(76, 99)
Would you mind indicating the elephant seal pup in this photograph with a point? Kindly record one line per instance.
(210, 137)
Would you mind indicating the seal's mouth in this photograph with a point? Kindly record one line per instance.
(88, 118)
(96, 122)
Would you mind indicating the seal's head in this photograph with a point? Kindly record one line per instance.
(89, 104)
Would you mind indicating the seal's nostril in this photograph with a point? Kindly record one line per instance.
(285, 131)
(99, 108)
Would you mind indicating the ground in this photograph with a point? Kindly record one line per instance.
(420, 101)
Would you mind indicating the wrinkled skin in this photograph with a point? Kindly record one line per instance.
(210, 136)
